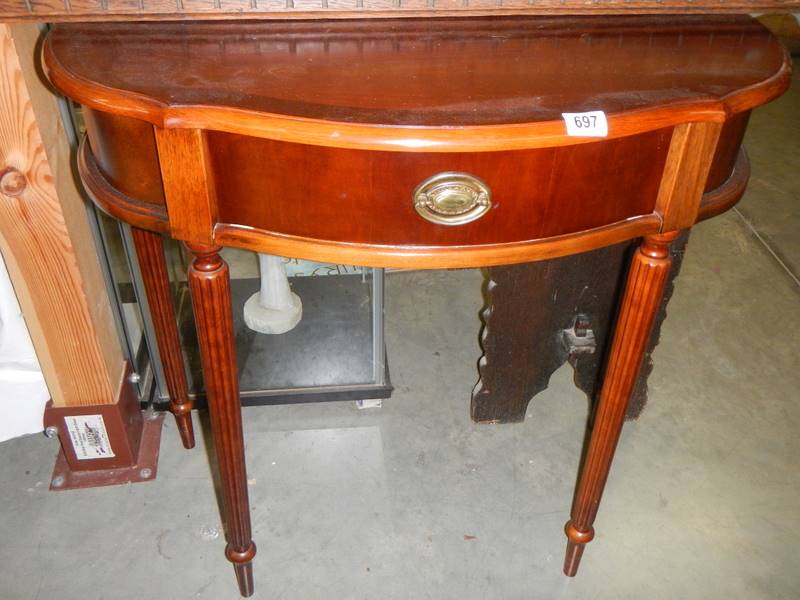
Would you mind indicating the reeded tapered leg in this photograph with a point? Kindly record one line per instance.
(647, 275)
(150, 252)
(209, 284)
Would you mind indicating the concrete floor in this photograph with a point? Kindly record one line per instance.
(415, 501)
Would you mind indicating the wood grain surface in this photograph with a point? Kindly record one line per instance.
(644, 287)
(209, 282)
(46, 242)
(691, 153)
(286, 81)
(421, 257)
(150, 253)
(233, 105)
(132, 167)
(358, 196)
(86, 10)
(115, 202)
(188, 185)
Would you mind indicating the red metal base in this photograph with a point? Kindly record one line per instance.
(145, 468)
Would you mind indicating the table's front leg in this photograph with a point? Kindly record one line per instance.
(647, 275)
(209, 283)
(153, 265)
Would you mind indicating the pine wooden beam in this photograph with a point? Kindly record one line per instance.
(45, 237)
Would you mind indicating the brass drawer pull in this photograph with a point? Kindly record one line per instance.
(452, 198)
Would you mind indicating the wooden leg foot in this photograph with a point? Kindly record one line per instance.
(576, 542)
(183, 419)
(153, 265)
(185, 430)
(243, 567)
(209, 284)
(644, 289)
(244, 576)
(572, 558)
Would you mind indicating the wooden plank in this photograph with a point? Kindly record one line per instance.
(688, 162)
(45, 237)
(105, 10)
(183, 156)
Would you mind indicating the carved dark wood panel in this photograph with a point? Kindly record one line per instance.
(528, 308)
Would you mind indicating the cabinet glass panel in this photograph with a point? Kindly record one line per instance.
(334, 352)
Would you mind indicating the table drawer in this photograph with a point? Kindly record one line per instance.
(368, 197)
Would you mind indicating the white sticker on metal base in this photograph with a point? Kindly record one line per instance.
(89, 436)
(586, 124)
(369, 403)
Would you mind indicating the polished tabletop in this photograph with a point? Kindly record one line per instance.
(418, 72)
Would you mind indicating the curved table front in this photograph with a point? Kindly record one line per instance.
(416, 143)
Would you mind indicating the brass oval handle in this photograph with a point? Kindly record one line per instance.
(452, 198)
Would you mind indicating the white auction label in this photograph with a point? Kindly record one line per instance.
(89, 436)
(586, 124)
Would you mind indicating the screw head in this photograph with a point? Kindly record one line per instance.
(134, 378)
(51, 431)
(57, 481)
(145, 473)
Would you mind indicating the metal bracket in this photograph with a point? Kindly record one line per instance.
(579, 339)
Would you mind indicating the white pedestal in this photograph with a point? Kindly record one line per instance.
(275, 308)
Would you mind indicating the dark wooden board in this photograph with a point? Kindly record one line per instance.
(104, 10)
(528, 307)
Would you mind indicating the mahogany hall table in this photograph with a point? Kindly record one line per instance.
(430, 143)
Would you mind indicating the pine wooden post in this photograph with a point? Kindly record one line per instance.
(45, 237)
(48, 246)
